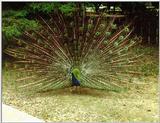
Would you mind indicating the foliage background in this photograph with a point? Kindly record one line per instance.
(20, 16)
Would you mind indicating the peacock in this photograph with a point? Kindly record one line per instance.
(75, 50)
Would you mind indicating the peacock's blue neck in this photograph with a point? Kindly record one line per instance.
(75, 81)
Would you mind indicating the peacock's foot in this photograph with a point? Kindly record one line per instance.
(75, 90)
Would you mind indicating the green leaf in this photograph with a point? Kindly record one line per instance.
(68, 8)
(15, 14)
(14, 27)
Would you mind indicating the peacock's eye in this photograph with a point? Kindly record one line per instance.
(81, 28)
(110, 51)
(108, 33)
(54, 29)
(105, 41)
(126, 29)
(65, 34)
(49, 37)
(98, 33)
(89, 26)
(102, 25)
(39, 41)
(132, 42)
(116, 44)
(113, 26)
(71, 24)
(126, 48)
(121, 37)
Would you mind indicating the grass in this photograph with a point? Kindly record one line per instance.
(140, 103)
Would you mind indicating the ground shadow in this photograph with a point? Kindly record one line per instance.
(67, 91)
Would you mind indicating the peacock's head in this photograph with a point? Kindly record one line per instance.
(76, 72)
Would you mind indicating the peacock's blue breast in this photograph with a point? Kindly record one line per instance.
(75, 82)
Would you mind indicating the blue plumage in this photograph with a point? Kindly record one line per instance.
(75, 82)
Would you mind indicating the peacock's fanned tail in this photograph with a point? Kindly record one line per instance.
(95, 45)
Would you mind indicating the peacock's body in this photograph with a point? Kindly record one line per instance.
(91, 51)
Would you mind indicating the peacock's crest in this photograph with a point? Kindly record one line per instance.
(93, 48)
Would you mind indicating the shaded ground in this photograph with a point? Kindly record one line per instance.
(140, 103)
